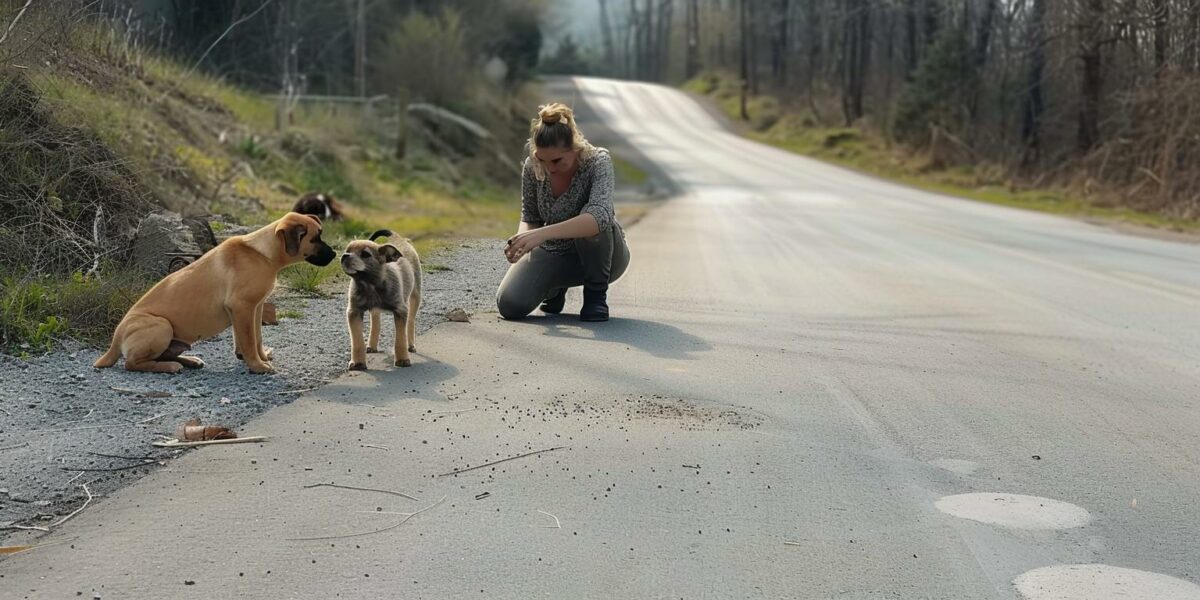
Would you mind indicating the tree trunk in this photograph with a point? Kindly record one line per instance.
(692, 67)
(1092, 84)
(1193, 37)
(813, 23)
(779, 45)
(1033, 105)
(979, 58)
(610, 57)
(663, 58)
(856, 54)
(912, 35)
(1161, 13)
(752, 46)
(745, 55)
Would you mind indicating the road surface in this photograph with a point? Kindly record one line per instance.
(817, 385)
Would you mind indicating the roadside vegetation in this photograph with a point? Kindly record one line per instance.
(1074, 108)
(103, 122)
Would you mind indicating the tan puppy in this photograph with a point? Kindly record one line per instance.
(386, 277)
(227, 285)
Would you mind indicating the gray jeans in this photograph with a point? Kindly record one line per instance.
(596, 262)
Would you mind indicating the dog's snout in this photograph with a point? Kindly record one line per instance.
(323, 257)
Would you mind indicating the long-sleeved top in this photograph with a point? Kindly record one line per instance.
(590, 191)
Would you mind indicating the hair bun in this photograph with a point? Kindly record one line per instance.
(555, 113)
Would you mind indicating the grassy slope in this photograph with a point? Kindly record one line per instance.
(871, 153)
(194, 141)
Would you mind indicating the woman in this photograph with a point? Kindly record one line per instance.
(568, 235)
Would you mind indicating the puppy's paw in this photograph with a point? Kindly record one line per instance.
(357, 366)
(173, 367)
(268, 354)
(372, 350)
(238, 355)
(190, 362)
(403, 362)
(262, 369)
(412, 348)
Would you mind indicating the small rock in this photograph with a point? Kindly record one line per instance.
(458, 315)
(42, 503)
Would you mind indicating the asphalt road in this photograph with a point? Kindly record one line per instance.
(817, 385)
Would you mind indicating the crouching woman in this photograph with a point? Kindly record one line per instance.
(568, 235)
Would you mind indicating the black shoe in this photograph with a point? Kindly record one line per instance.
(595, 306)
(554, 304)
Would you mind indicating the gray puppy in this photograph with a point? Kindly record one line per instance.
(384, 277)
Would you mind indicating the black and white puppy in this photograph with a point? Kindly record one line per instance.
(383, 277)
(322, 206)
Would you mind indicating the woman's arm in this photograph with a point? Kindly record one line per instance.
(531, 215)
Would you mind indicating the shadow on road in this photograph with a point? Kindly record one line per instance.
(652, 337)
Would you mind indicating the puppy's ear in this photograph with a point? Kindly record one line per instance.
(389, 253)
(290, 236)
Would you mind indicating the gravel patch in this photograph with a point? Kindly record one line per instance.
(58, 414)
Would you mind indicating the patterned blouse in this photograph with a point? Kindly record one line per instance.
(590, 191)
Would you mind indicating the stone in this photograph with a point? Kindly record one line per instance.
(160, 235)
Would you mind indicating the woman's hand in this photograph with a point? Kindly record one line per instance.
(523, 243)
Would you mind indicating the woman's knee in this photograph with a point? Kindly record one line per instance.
(512, 306)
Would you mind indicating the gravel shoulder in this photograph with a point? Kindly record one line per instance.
(60, 418)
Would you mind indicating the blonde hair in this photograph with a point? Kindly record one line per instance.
(555, 127)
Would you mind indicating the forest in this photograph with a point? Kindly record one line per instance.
(1097, 95)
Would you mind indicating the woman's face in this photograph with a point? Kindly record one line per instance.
(556, 160)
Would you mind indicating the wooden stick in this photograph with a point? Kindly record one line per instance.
(15, 447)
(141, 464)
(25, 527)
(144, 394)
(122, 456)
(179, 444)
(557, 525)
(454, 412)
(77, 511)
(374, 446)
(287, 392)
(77, 476)
(349, 535)
(80, 428)
(496, 462)
(792, 544)
(154, 418)
(361, 489)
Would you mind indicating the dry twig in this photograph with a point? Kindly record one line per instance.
(556, 525)
(349, 535)
(496, 462)
(361, 489)
(14, 21)
(178, 444)
(454, 412)
(25, 527)
(78, 510)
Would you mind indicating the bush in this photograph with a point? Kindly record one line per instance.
(427, 57)
(36, 312)
(939, 92)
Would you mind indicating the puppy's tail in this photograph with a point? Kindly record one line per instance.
(109, 358)
(381, 233)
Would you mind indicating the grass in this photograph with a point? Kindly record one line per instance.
(36, 313)
(869, 152)
(628, 173)
(184, 137)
